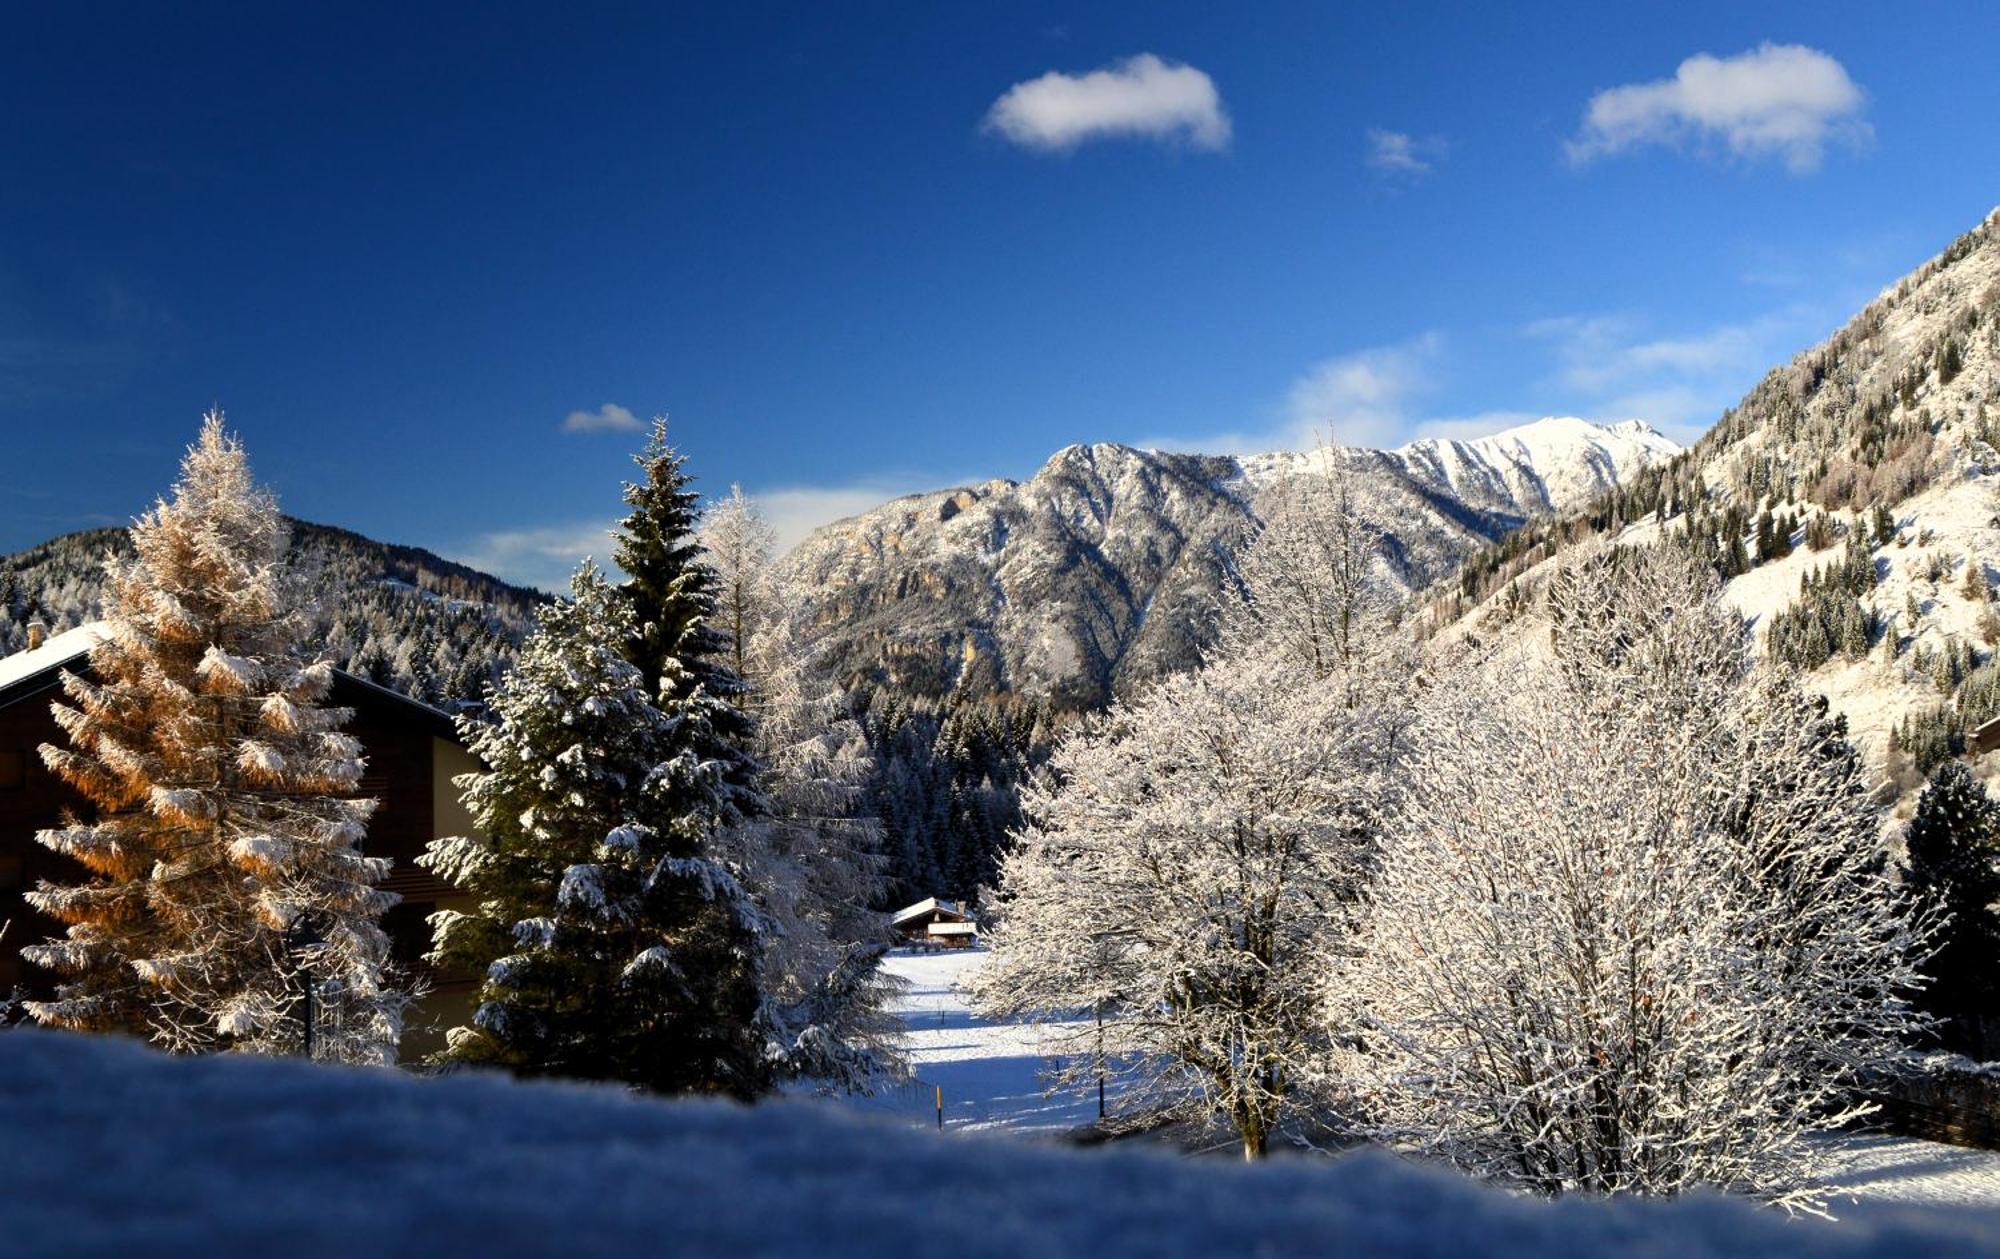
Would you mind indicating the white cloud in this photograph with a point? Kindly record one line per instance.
(793, 511)
(1779, 100)
(1361, 398)
(609, 418)
(1608, 365)
(1141, 96)
(1399, 153)
(543, 556)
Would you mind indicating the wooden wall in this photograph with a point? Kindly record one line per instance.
(410, 761)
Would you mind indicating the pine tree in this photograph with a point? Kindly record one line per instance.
(225, 858)
(1953, 845)
(671, 590)
(615, 946)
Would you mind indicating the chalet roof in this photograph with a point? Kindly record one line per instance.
(24, 666)
(27, 673)
(928, 905)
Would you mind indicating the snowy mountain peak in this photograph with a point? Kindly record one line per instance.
(1100, 571)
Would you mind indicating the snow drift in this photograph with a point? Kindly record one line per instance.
(111, 1147)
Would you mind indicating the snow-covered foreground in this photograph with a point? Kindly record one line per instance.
(110, 1148)
(991, 1073)
(991, 1076)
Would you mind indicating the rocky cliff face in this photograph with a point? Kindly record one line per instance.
(1101, 571)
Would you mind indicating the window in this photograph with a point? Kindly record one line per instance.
(13, 770)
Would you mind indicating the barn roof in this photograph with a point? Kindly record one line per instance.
(27, 673)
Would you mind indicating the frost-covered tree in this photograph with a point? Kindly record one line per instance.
(615, 942)
(1953, 847)
(812, 856)
(813, 860)
(1195, 859)
(739, 544)
(1632, 931)
(225, 863)
(1190, 860)
(1303, 590)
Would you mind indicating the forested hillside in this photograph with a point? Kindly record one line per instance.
(1849, 502)
(399, 615)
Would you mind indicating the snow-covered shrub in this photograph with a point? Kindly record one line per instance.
(1632, 931)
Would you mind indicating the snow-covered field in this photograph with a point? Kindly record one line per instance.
(991, 1074)
(110, 1148)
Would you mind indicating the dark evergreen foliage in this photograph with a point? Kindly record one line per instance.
(1954, 863)
(614, 945)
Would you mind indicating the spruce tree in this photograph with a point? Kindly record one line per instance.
(1953, 846)
(225, 865)
(615, 946)
(671, 590)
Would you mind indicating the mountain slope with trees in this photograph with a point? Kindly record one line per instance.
(401, 616)
(1851, 504)
(1106, 568)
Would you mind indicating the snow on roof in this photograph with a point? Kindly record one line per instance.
(62, 649)
(929, 904)
(953, 929)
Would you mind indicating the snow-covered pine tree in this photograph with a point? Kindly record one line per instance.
(225, 859)
(615, 946)
(671, 590)
(812, 858)
(1953, 847)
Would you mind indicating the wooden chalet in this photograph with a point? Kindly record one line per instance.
(412, 750)
(1984, 737)
(936, 924)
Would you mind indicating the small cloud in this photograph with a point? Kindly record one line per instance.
(1361, 398)
(1778, 100)
(1141, 97)
(609, 418)
(1608, 365)
(1399, 153)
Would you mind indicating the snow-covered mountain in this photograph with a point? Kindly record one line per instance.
(1877, 452)
(1101, 570)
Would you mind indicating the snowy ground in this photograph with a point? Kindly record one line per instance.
(991, 1074)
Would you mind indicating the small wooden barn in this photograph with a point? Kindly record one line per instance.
(936, 924)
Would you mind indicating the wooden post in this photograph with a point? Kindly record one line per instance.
(940, 1107)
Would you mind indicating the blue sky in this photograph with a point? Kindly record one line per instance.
(861, 249)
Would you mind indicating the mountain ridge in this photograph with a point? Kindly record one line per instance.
(1101, 571)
